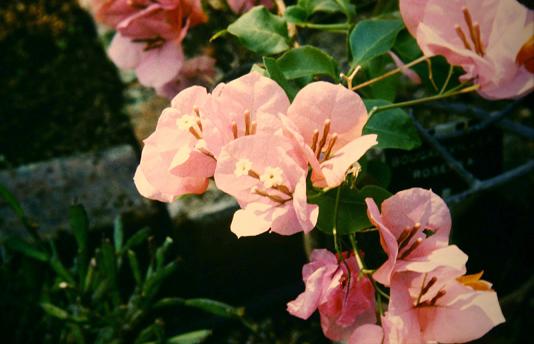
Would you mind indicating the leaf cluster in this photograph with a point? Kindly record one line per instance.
(85, 299)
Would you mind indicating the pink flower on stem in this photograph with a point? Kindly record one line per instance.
(149, 35)
(155, 66)
(487, 38)
(414, 231)
(175, 159)
(268, 179)
(344, 298)
(441, 306)
(328, 120)
(244, 106)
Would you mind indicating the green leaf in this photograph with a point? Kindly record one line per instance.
(79, 224)
(406, 46)
(373, 37)
(134, 265)
(18, 210)
(27, 249)
(276, 74)
(328, 6)
(307, 61)
(194, 337)
(386, 88)
(215, 307)
(352, 210)
(261, 31)
(162, 251)
(12, 202)
(153, 283)
(55, 311)
(58, 266)
(118, 233)
(169, 302)
(108, 265)
(136, 239)
(296, 14)
(394, 127)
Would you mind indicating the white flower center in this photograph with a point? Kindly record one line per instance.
(201, 145)
(186, 121)
(242, 166)
(272, 176)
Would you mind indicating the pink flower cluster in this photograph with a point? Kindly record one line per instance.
(148, 40)
(431, 298)
(258, 148)
(490, 39)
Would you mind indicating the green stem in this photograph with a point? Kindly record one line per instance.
(341, 27)
(388, 74)
(422, 100)
(446, 83)
(334, 227)
(359, 260)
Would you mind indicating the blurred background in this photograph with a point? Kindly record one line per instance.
(71, 130)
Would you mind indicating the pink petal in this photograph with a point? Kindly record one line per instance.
(153, 172)
(124, 53)
(402, 329)
(147, 190)
(253, 220)
(306, 214)
(409, 73)
(333, 170)
(449, 256)
(412, 12)
(320, 101)
(308, 301)
(263, 151)
(189, 162)
(160, 65)
(416, 205)
(388, 242)
(470, 315)
(367, 334)
(152, 21)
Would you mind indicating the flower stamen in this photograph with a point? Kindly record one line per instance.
(275, 198)
(409, 250)
(247, 122)
(462, 36)
(326, 130)
(234, 129)
(331, 144)
(315, 138)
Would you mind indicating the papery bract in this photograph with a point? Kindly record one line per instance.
(344, 298)
(484, 37)
(439, 306)
(414, 231)
(239, 103)
(174, 161)
(330, 119)
(268, 178)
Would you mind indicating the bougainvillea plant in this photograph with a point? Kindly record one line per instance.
(290, 141)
